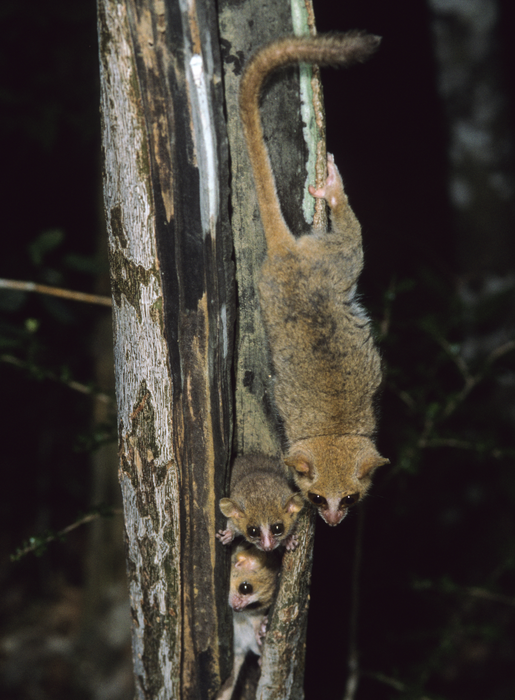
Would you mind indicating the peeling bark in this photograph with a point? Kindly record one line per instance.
(165, 194)
(244, 27)
(293, 123)
(282, 667)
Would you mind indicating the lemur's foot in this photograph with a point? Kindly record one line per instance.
(261, 633)
(332, 191)
(225, 536)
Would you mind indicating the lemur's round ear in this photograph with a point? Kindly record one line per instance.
(247, 561)
(294, 504)
(370, 463)
(301, 463)
(230, 509)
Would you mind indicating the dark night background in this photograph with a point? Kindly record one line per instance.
(436, 603)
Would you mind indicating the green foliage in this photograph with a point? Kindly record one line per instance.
(438, 557)
(38, 544)
(446, 425)
(102, 434)
(46, 242)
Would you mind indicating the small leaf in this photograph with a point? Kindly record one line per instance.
(44, 243)
(32, 324)
(82, 263)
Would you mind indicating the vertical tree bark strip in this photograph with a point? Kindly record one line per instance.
(293, 123)
(165, 191)
(282, 667)
(166, 195)
(243, 28)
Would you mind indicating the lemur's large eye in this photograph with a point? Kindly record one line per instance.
(349, 500)
(317, 499)
(245, 588)
(277, 529)
(253, 531)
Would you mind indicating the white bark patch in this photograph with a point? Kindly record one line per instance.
(156, 595)
(148, 478)
(141, 355)
(124, 144)
(200, 78)
(309, 129)
(140, 348)
(205, 146)
(225, 337)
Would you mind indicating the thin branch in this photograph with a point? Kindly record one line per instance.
(403, 396)
(464, 445)
(451, 442)
(493, 597)
(454, 356)
(55, 291)
(473, 591)
(76, 386)
(36, 543)
(454, 629)
(429, 424)
(500, 351)
(459, 398)
(471, 381)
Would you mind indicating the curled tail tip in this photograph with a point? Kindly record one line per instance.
(363, 44)
(373, 41)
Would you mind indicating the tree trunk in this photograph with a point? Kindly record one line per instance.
(166, 193)
(298, 159)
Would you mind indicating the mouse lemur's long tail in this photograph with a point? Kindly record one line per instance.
(325, 49)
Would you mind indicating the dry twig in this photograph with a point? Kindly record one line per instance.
(35, 542)
(76, 386)
(55, 291)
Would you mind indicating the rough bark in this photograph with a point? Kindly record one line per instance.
(294, 129)
(165, 192)
(244, 28)
(284, 651)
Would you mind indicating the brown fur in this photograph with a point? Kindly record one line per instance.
(261, 498)
(327, 368)
(249, 566)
